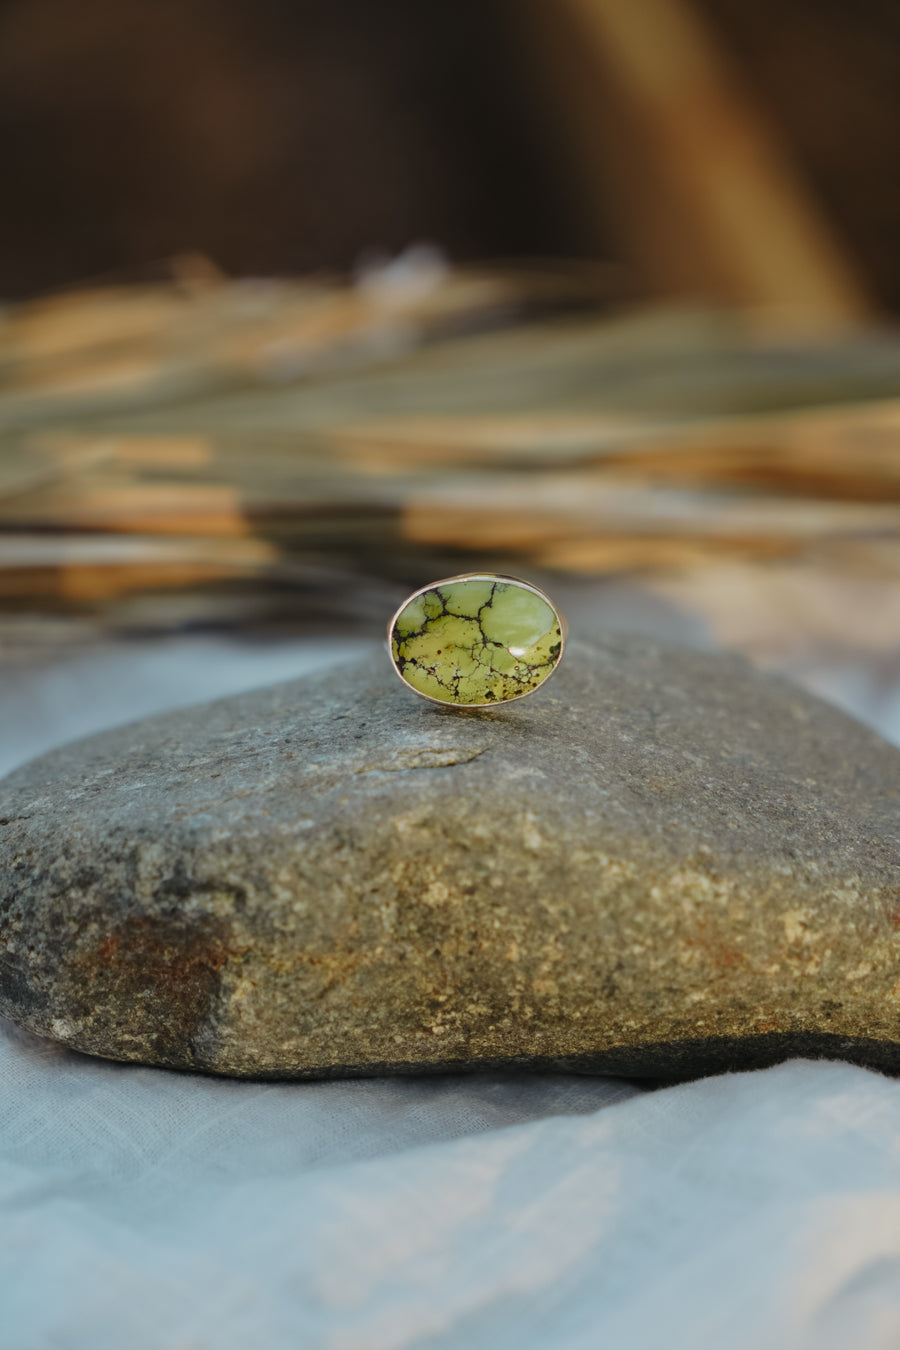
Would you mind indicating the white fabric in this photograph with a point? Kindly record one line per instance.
(146, 1210)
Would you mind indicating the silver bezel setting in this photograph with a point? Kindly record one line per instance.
(476, 576)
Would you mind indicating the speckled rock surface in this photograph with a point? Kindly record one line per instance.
(662, 864)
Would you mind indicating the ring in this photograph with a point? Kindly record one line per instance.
(476, 640)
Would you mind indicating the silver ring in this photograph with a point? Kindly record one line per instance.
(476, 640)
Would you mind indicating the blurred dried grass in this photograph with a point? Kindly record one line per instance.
(241, 454)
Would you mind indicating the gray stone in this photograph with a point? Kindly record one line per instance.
(663, 863)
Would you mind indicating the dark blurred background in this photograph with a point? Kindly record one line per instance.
(284, 136)
(276, 136)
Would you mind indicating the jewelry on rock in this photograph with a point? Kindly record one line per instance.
(476, 640)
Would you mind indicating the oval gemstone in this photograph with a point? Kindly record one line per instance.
(476, 640)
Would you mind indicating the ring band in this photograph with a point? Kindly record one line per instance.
(476, 640)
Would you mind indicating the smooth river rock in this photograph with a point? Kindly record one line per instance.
(662, 864)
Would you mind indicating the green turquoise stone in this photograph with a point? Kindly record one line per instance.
(476, 640)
